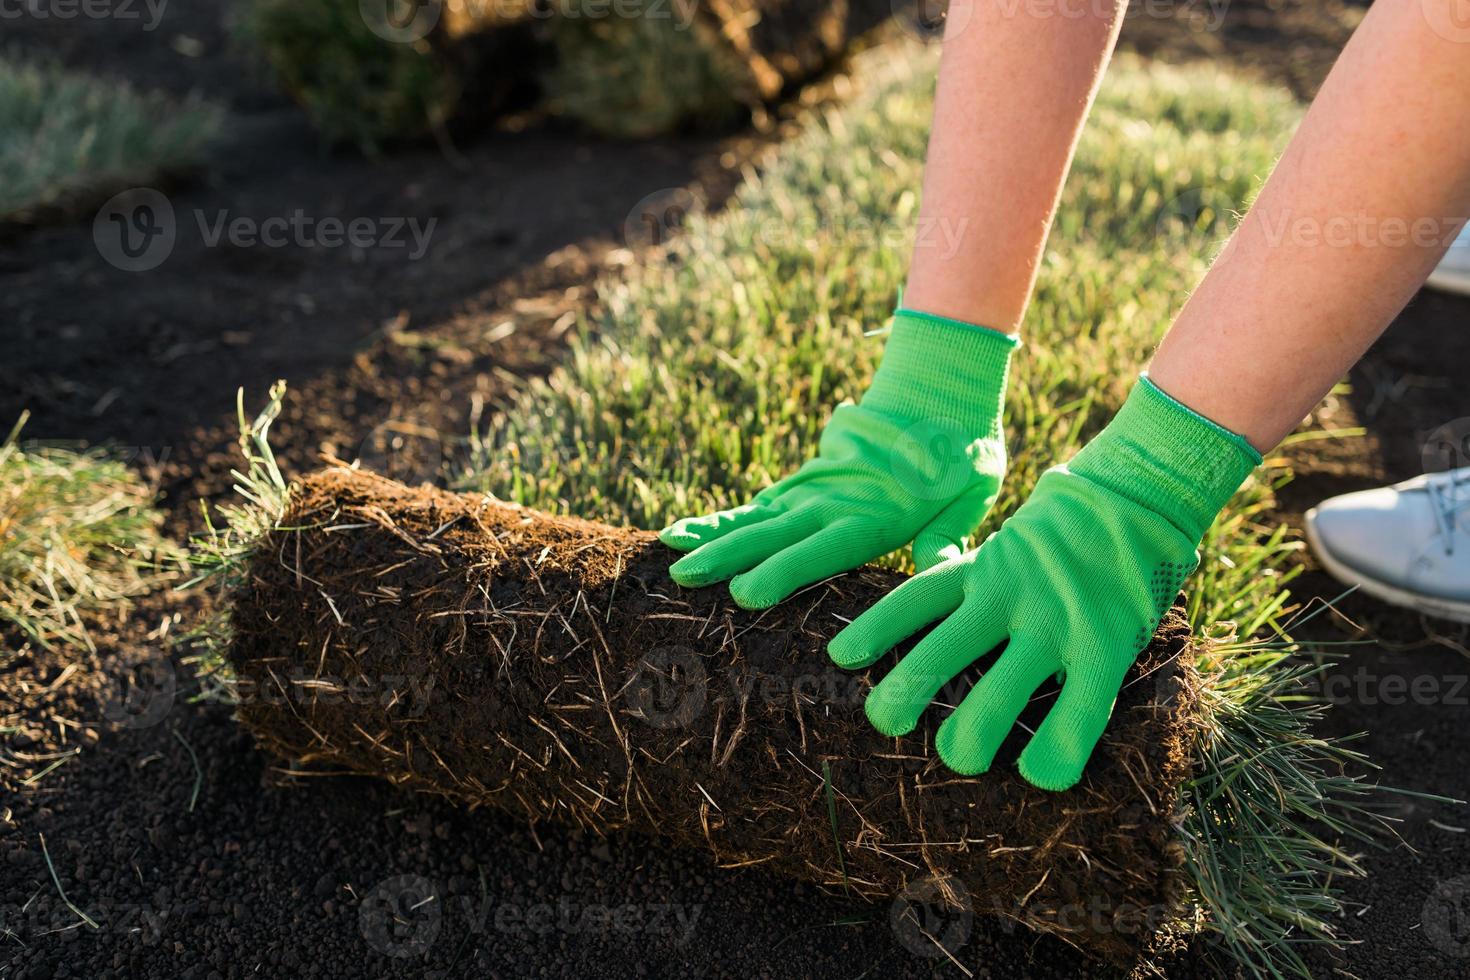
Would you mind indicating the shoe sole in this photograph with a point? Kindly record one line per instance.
(1394, 595)
(1450, 281)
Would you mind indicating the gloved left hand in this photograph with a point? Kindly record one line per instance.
(1074, 583)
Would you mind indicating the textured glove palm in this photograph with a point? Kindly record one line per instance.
(1074, 583)
(919, 459)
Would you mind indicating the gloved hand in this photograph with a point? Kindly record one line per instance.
(1075, 583)
(919, 458)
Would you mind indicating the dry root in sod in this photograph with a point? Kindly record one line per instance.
(550, 668)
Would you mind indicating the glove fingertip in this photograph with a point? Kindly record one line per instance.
(689, 573)
(848, 650)
(676, 537)
(964, 760)
(886, 721)
(931, 551)
(750, 592)
(1048, 774)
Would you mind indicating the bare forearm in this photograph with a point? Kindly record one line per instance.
(1366, 199)
(1015, 84)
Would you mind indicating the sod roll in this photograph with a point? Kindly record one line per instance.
(550, 668)
(780, 42)
(371, 72)
(702, 64)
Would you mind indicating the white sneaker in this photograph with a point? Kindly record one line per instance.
(1407, 544)
(1453, 272)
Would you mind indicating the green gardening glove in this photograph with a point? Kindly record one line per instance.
(1074, 583)
(919, 459)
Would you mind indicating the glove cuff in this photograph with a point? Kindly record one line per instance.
(1165, 456)
(943, 371)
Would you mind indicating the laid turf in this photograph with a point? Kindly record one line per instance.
(358, 87)
(78, 534)
(69, 140)
(633, 77)
(709, 373)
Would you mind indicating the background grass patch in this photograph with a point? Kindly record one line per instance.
(78, 534)
(68, 140)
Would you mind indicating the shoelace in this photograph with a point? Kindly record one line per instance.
(1449, 496)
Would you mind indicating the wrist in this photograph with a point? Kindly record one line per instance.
(938, 369)
(1165, 456)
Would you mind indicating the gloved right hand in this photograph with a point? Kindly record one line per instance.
(919, 459)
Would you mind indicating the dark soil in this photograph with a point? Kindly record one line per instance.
(235, 868)
(512, 226)
(550, 668)
(1407, 688)
(1291, 42)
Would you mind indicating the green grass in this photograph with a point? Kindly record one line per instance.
(358, 88)
(78, 535)
(68, 140)
(708, 373)
(633, 77)
(218, 558)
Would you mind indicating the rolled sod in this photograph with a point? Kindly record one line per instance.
(697, 65)
(550, 668)
(781, 42)
(372, 73)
